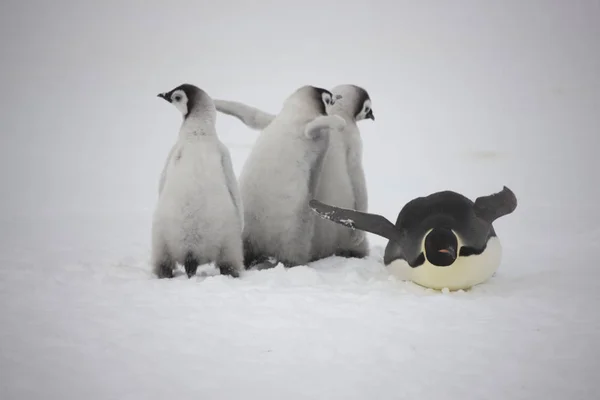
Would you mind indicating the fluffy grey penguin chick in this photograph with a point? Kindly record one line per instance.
(281, 175)
(342, 180)
(199, 214)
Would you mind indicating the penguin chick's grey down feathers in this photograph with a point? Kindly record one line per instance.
(280, 176)
(342, 180)
(199, 214)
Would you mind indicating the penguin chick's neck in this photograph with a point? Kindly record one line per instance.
(345, 108)
(200, 121)
(343, 112)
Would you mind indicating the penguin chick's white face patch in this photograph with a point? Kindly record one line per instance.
(179, 99)
(366, 112)
(329, 101)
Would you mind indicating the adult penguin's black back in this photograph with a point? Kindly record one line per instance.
(472, 221)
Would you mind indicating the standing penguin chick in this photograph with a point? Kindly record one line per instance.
(199, 215)
(342, 182)
(281, 175)
(443, 240)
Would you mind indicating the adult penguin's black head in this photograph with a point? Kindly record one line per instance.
(441, 247)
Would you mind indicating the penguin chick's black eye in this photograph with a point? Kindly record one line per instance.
(177, 98)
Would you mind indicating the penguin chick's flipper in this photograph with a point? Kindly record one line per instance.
(373, 223)
(252, 117)
(489, 208)
(316, 128)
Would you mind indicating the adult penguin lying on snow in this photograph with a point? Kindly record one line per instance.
(443, 240)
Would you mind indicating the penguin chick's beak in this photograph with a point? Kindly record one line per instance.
(449, 251)
(163, 96)
(370, 115)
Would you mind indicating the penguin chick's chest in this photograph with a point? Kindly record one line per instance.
(335, 185)
(195, 178)
(464, 273)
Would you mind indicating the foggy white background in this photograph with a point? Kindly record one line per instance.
(459, 89)
(82, 131)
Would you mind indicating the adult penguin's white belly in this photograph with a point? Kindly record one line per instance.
(464, 273)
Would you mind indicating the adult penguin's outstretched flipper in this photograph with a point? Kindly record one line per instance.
(489, 208)
(353, 219)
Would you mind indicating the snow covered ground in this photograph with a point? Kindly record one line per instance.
(468, 96)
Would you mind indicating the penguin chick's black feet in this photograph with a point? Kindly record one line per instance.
(228, 269)
(250, 257)
(266, 263)
(164, 270)
(292, 264)
(351, 254)
(261, 262)
(191, 266)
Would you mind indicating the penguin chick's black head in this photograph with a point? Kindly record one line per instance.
(364, 109)
(312, 99)
(441, 247)
(185, 97)
(355, 101)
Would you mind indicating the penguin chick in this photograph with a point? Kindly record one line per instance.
(280, 176)
(199, 215)
(342, 182)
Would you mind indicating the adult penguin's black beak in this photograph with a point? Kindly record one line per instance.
(450, 250)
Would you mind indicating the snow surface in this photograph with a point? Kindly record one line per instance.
(468, 96)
